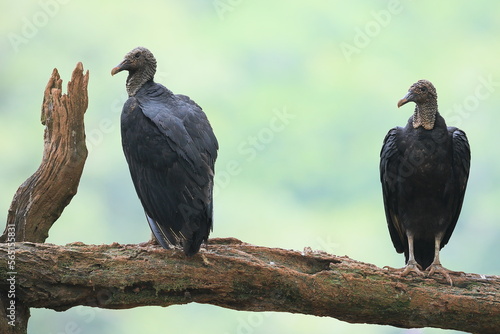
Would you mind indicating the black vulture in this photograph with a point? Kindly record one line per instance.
(424, 168)
(170, 149)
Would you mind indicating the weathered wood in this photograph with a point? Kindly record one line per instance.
(13, 318)
(240, 276)
(40, 200)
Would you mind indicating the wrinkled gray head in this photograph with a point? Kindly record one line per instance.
(141, 66)
(424, 95)
(420, 92)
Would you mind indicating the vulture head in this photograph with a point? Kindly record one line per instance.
(141, 66)
(421, 92)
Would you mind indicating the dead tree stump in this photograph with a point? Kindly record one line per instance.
(40, 200)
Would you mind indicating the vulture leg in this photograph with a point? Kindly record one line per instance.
(411, 265)
(436, 266)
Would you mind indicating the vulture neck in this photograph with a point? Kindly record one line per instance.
(136, 79)
(425, 115)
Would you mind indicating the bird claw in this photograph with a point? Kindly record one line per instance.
(412, 268)
(149, 243)
(409, 268)
(438, 268)
(205, 260)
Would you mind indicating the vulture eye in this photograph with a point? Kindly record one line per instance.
(137, 55)
(423, 89)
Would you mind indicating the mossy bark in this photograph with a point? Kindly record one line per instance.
(240, 276)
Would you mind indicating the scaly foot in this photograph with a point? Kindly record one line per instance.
(150, 243)
(411, 267)
(438, 268)
(205, 260)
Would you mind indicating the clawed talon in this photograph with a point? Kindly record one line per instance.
(409, 268)
(412, 268)
(438, 268)
(205, 260)
(431, 270)
(151, 242)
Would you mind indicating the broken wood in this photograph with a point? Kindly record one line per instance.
(40, 200)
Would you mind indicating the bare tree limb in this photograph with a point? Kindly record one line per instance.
(240, 276)
(40, 200)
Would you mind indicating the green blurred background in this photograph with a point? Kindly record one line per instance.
(300, 96)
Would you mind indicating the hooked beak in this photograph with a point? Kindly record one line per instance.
(407, 98)
(120, 67)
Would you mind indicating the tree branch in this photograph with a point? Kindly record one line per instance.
(240, 276)
(40, 200)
